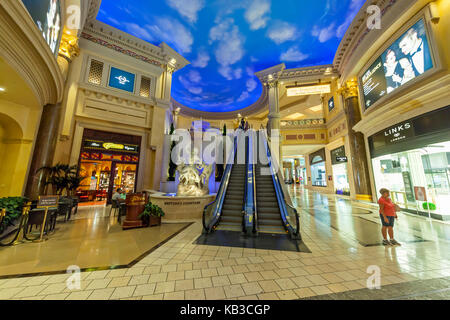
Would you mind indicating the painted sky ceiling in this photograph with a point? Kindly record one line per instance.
(226, 41)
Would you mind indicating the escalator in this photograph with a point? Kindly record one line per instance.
(269, 215)
(226, 213)
(251, 208)
(234, 200)
(273, 212)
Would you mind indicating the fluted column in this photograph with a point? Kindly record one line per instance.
(357, 144)
(46, 140)
(44, 150)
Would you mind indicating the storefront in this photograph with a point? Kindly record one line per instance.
(108, 161)
(318, 170)
(340, 176)
(412, 159)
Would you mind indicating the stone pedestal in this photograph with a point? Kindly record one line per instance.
(181, 208)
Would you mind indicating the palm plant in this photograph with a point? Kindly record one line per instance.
(62, 177)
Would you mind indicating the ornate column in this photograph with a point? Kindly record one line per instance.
(356, 140)
(47, 136)
(168, 72)
(273, 125)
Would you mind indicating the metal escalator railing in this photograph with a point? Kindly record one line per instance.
(212, 212)
(250, 210)
(289, 214)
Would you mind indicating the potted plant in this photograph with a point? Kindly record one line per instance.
(151, 216)
(14, 207)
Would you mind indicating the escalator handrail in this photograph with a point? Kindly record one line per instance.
(218, 202)
(250, 188)
(281, 197)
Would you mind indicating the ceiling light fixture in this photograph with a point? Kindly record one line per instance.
(2, 89)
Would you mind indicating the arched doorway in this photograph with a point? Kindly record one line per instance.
(13, 164)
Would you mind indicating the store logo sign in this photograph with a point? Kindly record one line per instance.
(122, 80)
(399, 132)
(110, 145)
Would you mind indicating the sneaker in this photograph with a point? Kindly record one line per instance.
(386, 243)
(395, 243)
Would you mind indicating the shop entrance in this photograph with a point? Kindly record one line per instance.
(110, 161)
(339, 165)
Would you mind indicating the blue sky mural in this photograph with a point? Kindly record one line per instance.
(226, 41)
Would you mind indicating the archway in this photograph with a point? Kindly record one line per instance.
(12, 149)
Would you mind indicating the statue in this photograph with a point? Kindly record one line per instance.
(194, 178)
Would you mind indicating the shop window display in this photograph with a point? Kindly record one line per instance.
(406, 172)
(318, 174)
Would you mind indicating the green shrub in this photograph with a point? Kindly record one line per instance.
(14, 207)
(429, 205)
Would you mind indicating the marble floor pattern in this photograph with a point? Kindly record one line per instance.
(338, 262)
(91, 239)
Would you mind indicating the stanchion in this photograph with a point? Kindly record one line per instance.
(46, 202)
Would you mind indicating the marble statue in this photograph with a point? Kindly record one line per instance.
(194, 178)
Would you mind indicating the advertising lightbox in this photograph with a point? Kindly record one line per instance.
(121, 79)
(47, 16)
(407, 58)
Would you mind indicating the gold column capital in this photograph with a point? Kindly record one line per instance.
(169, 68)
(69, 47)
(350, 89)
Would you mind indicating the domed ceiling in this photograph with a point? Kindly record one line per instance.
(227, 41)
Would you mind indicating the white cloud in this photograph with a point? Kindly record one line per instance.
(188, 9)
(238, 73)
(202, 60)
(138, 31)
(355, 5)
(257, 14)
(324, 34)
(191, 84)
(251, 85)
(245, 95)
(173, 33)
(194, 76)
(281, 32)
(293, 55)
(229, 73)
(230, 47)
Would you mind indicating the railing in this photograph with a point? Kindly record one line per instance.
(289, 214)
(250, 188)
(212, 212)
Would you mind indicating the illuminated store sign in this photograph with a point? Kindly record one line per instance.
(407, 58)
(47, 16)
(331, 104)
(102, 145)
(338, 155)
(308, 90)
(120, 79)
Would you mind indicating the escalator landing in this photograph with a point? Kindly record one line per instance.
(263, 241)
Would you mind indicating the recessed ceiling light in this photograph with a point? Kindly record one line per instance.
(2, 89)
(295, 116)
(316, 108)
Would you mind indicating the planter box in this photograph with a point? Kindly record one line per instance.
(154, 221)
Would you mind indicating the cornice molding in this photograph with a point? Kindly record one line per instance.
(101, 92)
(117, 40)
(357, 32)
(23, 47)
(309, 73)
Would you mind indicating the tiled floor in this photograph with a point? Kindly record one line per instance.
(92, 239)
(338, 263)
